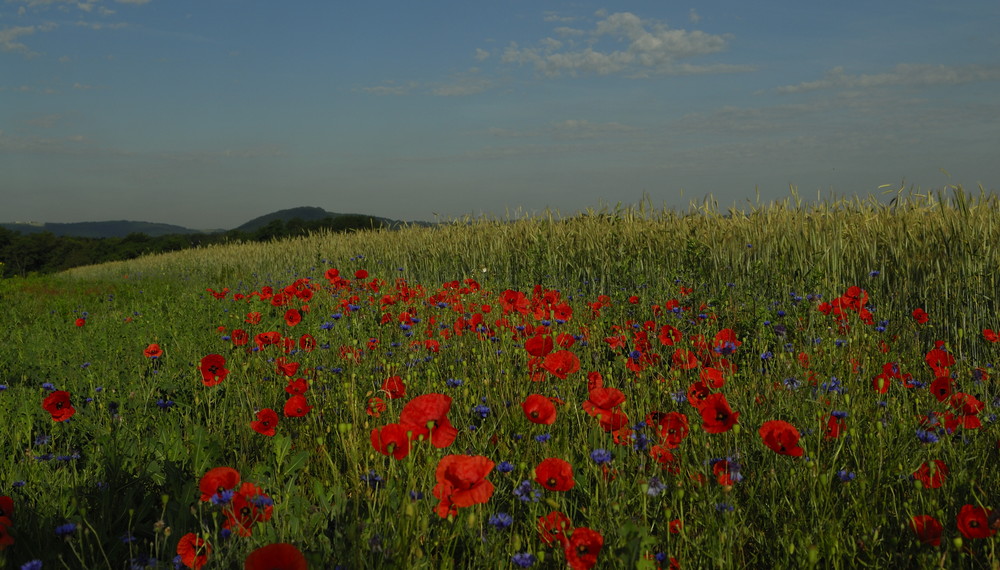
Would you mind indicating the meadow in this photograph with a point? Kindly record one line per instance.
(788, 385)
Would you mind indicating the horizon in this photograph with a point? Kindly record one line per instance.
(207, 115)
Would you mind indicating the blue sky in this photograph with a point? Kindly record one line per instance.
(208, 113)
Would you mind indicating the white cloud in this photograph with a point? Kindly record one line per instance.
(481, 54)
(463, 86)
(569, 129)
(10, 43)
(902, 74)
(391, 88)
(623, 43)
(693, 16)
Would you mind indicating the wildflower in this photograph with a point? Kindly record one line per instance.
(931, 474)
(927, 529)
(461, 482)
(213, 369)
(427, 416)
(716, 415)
(654, 487)
(164, 404)
(543, 437)
(846, 476)
(974, 522)
(500, 521)
(583, 548)
(276, 556)
(153, 351)
(373, 479)
(526, 493)
(523, 559)
(267, 420)
(296, 407)
(65, 529)
(193, 551)
(601, 456)
(218, 480)
(555, 474)
(58, 405)
(554, 526)
(539, 409)
(392, 439)
(505, 467)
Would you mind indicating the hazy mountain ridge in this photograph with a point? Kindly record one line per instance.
(122, 228)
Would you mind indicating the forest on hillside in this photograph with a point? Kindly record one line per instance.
(44, 252)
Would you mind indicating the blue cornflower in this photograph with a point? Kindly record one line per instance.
(543, 438)
(42, 439)
(505, 467)
(501, 521)
(481, 411)
(792, 383)
(453, 383)
(846, 476)
(373, 480)
(48, 386)
(32, 565)
(926, 436)
(839, 414)
(767, 355)
(65, 529)
(165, 404)
(526, 493)
(523, 559)
(655, 486)
(416, 495)
(222, 497)
(3, 387)
(724, 507)
(601, 456)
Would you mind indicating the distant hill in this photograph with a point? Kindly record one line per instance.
(311, 214)
(119, 228)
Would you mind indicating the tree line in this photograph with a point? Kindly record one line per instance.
(23, 254)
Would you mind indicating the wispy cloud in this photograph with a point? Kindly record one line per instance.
(622, 43)
(9, 41)
(569, 129)
(391, 88)
(903, 74)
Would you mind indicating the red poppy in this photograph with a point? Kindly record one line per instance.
(427, 416)
(991, 335)
(193, 551)
(360, 274)
(296, 407)
(684, 359)
(266, 421)
(394, 387)
(561, 363)
(284, 367)
(539, 345)
(239, 337)
(554, 526)
(670, 335)
(153, 351)
(941, 387)
(277, 556)
(461, 482)
(697, 393)
(375, 406)
(675, 526)
(583, 548)
(307, 342)
(932, 474)
(5, 538)
(716, 415)
(6, 507)
(939, 359)
(555, 474)
(672, 428)
(293, 317)
(927, 529)
(57, 403)
(539, 409)
(80, 322)
(974, 522)
(297, 387)
(920, 316)
(782, 437)
(213, 369)
(217, 480)
(712, 377)
(966, 404)
(391, 439)
(249, 506)
(834, 427)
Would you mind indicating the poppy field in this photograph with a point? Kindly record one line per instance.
(793, 385)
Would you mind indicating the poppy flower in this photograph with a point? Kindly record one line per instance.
(153, 351)
(539, 409)
(217, 480)
(297, 387)
(6, 507)
(834, 427)
(561, 363)
(927, 529)
(5, 538)
(461, 482)
(583, 548)
(712, 377)
(974, 522)
(57, 403)
(239, 337)
(80, 322)
(375, 406)
(553, 527)
(293, 317)
(391, 439)
(539, 345)
(266, 421)
(427, 415)
(941, 387)
(284, 367)
(213, 369)
(782, 437)
(555, 474)
(920, 316)
(697, 393)
(716, 415)
(932, 474)
(193, 551)
(249, 506)
(684, 359)
(296, 407)
(394, 387)
(277, 556)
(602, 400)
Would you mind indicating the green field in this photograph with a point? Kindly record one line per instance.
(746, 388)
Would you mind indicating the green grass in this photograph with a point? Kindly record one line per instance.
(124, 465)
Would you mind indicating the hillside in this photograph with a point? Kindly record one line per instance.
(117, 228)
